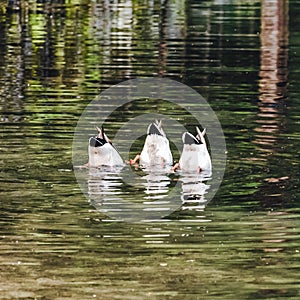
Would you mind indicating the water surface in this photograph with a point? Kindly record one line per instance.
(243, 57)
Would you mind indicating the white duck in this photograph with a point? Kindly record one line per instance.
(102, 152)
(156, 150)
(194, 156)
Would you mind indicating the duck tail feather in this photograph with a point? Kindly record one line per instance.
(154, 129)
(189, 139)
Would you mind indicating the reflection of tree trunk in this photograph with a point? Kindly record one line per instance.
(172, 30)
(273, 71)
(162, 46)
(273, 92)
(13, 52)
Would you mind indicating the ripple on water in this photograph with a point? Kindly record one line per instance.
(244, 244)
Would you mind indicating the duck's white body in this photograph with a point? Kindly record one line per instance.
(102, 152)
(195, 156)
(156, 150)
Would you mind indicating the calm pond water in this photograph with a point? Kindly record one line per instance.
(243, 57)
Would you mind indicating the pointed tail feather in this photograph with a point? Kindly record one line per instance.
(189, 139)
(154, 129)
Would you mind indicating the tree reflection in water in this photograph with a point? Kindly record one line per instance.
(273, 74)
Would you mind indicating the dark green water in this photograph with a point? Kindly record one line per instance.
(242, 56)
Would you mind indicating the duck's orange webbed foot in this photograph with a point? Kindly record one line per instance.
(135, 160)
(175, 167)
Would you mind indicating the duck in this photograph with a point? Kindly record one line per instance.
(156, 150)
(102, 152)
(195, 156)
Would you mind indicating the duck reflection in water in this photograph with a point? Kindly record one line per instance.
(104, 186)
(156, 185)
(150, 196)
(193, 192)
(131, 197)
